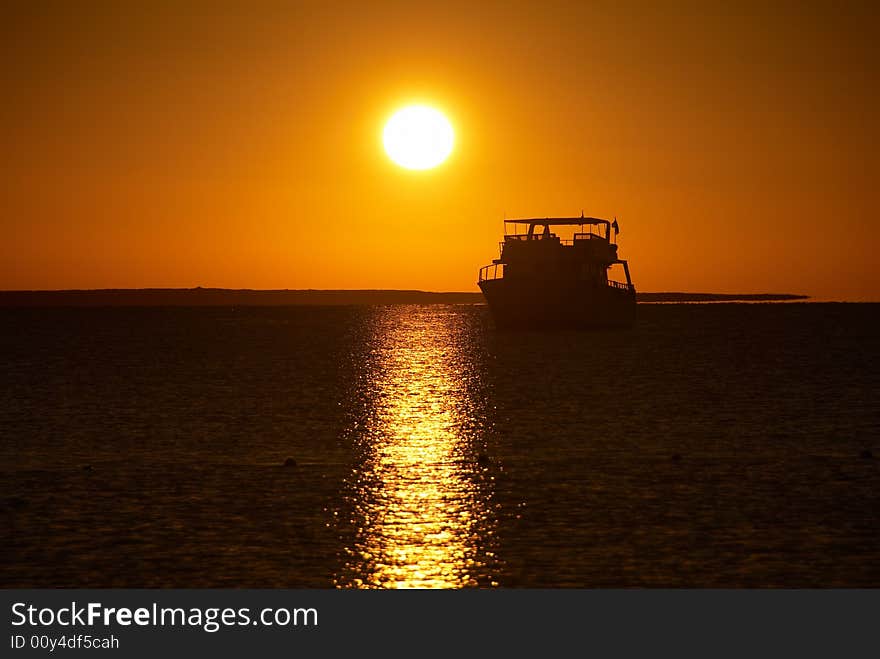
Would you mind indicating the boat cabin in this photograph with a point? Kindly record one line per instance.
(536, 250)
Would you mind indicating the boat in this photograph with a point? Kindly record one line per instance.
(542, 280)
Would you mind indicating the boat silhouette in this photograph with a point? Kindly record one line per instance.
(543, 281)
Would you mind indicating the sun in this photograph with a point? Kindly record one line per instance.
(418, 137)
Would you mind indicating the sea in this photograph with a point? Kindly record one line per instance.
(416, 446)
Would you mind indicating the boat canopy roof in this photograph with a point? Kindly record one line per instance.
(559, 221)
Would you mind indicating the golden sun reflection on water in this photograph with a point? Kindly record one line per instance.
(420, 499)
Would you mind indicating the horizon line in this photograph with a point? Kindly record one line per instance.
(203, 296)
(330, 290)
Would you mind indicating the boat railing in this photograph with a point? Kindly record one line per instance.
(621, 285)
(559, 242)
(496, 271)
(579, 238)
(524, 237)
(492, 271)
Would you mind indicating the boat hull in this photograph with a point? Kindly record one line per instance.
(530, 304)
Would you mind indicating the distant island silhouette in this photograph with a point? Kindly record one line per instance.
(197, 297)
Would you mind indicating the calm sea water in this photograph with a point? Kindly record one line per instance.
(711, 445)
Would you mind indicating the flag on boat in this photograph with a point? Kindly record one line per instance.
(615, 226)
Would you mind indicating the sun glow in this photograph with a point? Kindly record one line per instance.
(418, 137)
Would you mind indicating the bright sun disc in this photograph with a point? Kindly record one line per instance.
(418, 137)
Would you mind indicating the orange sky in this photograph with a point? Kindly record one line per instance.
(239, 144)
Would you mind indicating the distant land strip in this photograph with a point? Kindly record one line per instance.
(207, 297)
